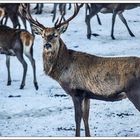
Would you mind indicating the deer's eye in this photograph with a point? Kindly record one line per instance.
(50, 37)
(55, 35)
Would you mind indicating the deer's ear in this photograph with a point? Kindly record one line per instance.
(63, 28)
(37, 30)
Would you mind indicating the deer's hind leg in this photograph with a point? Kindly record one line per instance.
(133, 92)
(125, 23)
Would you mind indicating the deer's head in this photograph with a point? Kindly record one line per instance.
(50, 35)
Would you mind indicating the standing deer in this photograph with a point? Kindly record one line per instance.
(62, 9)
(39, 8)
(11, 11)
(16, 42)
(84, 76)
(115, 8)
(87, 11)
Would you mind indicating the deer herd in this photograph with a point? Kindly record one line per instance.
(82, 76)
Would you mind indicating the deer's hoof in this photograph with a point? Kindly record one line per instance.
(113, 37)
(88, 36)
(8, 83)
(132, 35)
(22, 86)
(36, 85)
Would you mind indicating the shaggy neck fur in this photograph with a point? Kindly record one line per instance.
(55, 65)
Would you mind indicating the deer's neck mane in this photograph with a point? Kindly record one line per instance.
(59, 63)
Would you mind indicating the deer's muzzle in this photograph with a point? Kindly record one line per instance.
(47, 46)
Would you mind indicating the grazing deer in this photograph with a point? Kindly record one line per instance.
(84, 76)
(115, 8)
(16, 42)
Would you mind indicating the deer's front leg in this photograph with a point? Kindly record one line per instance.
(87, 20)
(125, 23)
(8, 69)
(85, 110)
(113, 23)
(30, 56)
(78, 115)
(77, 100)
(24, 64)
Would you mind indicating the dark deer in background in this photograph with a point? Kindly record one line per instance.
(39, 8)
(115, 8)
(62, 9)
(16, 42)
(87, 9)
(84, 76)
(11, 11)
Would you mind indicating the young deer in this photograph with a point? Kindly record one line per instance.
(15, 42)
(115, 8)
(84, 76)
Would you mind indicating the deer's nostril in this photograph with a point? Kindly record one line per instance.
(47, 46)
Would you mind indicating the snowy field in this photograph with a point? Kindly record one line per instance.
(49, 112)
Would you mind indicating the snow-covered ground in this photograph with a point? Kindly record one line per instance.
(49, 112)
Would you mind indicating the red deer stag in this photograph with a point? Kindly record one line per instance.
(15, 42)
(84, 76)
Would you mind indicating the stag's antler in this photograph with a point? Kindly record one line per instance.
(24, 10)
(59, 23)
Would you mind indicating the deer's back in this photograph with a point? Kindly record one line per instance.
(7, 36)
(103, 76)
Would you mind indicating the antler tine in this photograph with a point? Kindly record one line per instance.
(56, 22)
(25, 12)
(76, 10)
(59, 21)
